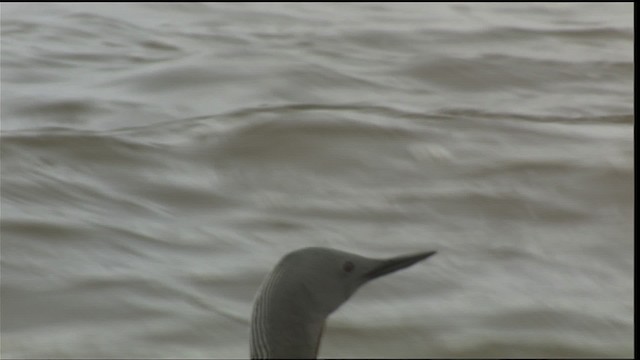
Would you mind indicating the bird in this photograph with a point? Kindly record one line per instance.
(303, 289)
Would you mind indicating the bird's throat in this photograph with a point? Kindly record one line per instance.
(282, 327)
(287, 335)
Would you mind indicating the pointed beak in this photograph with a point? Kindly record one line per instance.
(388, 266)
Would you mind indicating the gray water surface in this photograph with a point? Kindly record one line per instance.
(158, 159)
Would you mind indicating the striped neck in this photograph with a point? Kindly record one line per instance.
(280, 325)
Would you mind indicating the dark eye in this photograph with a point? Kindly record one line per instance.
(348, 266)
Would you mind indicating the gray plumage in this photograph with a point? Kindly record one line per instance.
(304, 288)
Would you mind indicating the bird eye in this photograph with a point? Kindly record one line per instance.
(348, 266)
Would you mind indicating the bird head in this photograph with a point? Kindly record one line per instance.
(325, 278)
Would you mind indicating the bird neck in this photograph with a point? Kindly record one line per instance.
(281, 326)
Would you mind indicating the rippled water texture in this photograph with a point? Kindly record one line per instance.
(158, 159)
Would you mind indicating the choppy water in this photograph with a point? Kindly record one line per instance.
(158, 159)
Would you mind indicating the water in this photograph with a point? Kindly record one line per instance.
(158, 159)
